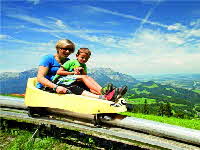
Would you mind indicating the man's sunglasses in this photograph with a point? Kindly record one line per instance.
(69, 49)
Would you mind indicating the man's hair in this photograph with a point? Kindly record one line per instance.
(65, 43)
(84, 50)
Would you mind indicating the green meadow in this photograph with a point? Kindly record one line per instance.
(187, 123)
(141, 100)
(197, 91)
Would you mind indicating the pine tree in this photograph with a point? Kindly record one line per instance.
(168, 110)
(146, 107)
(161, 110)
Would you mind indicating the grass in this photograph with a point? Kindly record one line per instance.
(17, 139)
(187, 123)
(152, 86)
(21, 138)
(141, 100)
(175, 104)
(197, 91)
(12, 95)
(139, 92)
(171, 89)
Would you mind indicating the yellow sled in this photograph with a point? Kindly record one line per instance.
(35, 97)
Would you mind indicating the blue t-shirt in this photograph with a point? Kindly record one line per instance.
(50, 62)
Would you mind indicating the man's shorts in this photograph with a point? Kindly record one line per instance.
(74, 88)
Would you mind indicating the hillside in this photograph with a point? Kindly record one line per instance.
(189, 81)
(107, 75)
(16, 82)
(164, 93)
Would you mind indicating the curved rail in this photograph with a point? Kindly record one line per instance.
(151, 127)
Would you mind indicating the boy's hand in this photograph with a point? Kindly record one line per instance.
(78, 70)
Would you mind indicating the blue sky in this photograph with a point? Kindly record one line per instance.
(133, 37)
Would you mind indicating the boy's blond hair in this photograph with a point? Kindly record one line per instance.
(84, 50)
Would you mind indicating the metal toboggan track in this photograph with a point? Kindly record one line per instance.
(122, 128)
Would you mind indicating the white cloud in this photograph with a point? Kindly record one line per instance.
(174, 39)
(126, 16)
(195, 32)
(30, 19)
(195, 23)
(3, 37)
(176, 26)
(60, 24)
(147, 51)
(148, 15)
(132, 64)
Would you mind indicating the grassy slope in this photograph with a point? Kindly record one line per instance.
(193, 124)
(19, 139)
(141, 101)
(151, 86)
(197, 91)
(13, 95)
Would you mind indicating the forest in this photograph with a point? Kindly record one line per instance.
(163, 100)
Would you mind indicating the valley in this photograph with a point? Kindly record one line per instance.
(170, 95)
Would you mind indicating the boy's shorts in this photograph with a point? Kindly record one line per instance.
(66, 80)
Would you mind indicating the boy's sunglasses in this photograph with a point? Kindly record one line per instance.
(69, 49)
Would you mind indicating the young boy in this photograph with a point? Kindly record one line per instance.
(76, 71)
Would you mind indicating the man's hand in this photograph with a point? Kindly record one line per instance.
(61, 90)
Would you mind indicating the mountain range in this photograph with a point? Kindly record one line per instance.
(15, 82)
(189, 81)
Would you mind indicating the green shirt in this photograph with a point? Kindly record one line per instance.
(70, 65)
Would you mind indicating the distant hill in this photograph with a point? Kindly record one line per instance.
(165, 93)
(189, 81)
(107, 75)
(16, 82)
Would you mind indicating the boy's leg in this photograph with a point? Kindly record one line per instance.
(94, 92)
(89, 94)
(111, 96)
(90, 83)
(94, 82)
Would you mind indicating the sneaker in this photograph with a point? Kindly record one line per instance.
(112, 95)
(107, 89)
(123, 101)
(121, 93)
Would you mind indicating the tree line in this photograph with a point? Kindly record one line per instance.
(165, 109)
